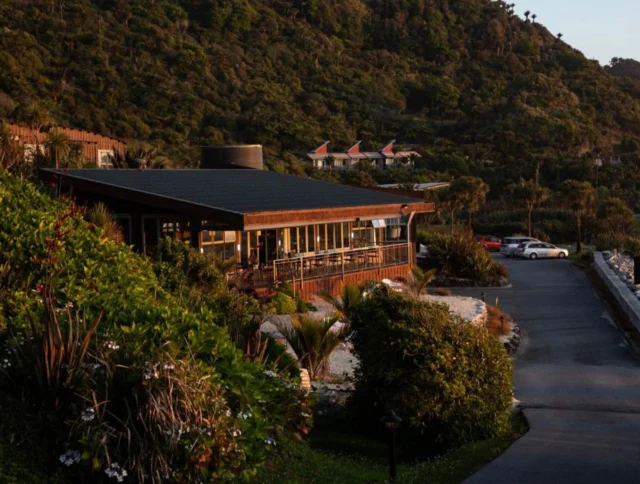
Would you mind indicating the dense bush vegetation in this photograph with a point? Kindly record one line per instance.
(458, 256)
(468, 80)
(450, 381)
(127, 378)
(628, 244)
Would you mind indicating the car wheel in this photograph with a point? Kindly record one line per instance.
(533, 256)
(562, 255)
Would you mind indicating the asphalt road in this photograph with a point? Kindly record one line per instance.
(577, 381)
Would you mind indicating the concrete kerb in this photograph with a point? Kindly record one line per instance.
(628, 302)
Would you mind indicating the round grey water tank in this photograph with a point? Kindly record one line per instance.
(239, 156)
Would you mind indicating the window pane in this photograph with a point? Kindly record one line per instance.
(331, 239)
(346, 235)
(321, 238)
(293, 240)
(229, 250)
(311, 239)
(302, 232)
(207, 236)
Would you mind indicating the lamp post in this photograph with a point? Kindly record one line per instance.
(391, 421)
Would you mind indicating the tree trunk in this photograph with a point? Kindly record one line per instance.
(529, 223)
(579, 242)
(453, 213)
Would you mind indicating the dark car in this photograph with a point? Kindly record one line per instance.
(489, 242)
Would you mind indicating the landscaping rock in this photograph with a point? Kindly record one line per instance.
(512, 340)
(471, 309)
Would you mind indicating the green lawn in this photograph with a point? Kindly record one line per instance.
(357, 459)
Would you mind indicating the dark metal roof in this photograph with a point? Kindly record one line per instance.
(237, 190)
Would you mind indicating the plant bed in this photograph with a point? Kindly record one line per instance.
(336, 451)
(461, 282)
(460, 261)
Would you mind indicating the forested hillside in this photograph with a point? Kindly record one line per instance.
(466, 80)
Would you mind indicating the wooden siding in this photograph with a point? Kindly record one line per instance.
(262, 220)
(90, 142)
(309, 288)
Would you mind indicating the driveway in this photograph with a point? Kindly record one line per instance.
(578, 383)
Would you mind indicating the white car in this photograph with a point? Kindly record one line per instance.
(540, 250)
(510, 244)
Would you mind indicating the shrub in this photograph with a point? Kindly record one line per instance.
(58, 272)
(628, 244)
(284, 304)
(460, 257)
(448, 380)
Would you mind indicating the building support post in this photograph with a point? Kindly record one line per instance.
(195, 227)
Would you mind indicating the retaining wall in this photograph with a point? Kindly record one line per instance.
(626, 299)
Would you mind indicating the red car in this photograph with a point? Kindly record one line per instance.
(489, 242)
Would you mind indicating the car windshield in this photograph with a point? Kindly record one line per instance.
(522, 246)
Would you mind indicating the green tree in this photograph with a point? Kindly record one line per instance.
(615, 217)
(530, 195)
(450, 200)
(581, 199)
(472, 192)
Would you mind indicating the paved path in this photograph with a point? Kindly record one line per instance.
(577, 381)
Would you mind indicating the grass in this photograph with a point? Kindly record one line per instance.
(583, 259)
(360, 459)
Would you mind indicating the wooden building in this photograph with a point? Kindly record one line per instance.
(94, 147)
(315, 234)
(387, 157)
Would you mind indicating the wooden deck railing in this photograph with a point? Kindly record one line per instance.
(333, 263)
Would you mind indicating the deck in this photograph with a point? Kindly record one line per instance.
(328, 271)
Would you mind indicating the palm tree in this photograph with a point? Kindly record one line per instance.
(36, 117)
(526, 14)
(581, 198)
(138, 157)
(350, 297)
(58, 147)
(560, 36)
(313, 341)
(533, 18)
(418, 280)
(100, 216)
(530, 194)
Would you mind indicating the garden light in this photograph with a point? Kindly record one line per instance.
(391, 421)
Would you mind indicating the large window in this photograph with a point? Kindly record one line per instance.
(346, 236)
(220, 243)
(396, 230)
(363, 234)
